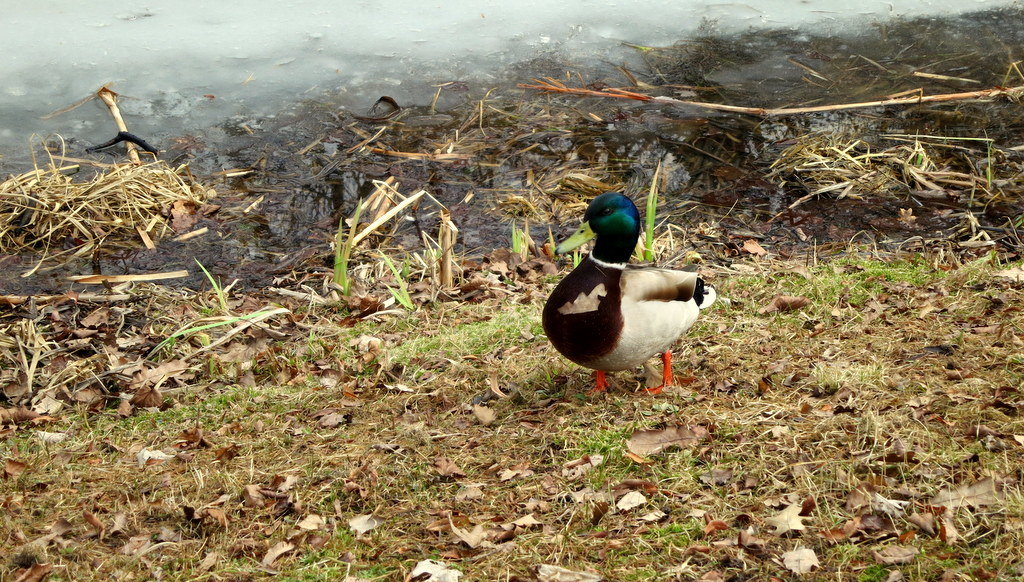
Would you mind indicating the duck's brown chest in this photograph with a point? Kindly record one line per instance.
(582, 317)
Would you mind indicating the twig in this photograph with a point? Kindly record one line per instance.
(110, 98)
(553, 86)
(433, 157)
(446, 243)
(254, 319)
(128, 137)
(81, 297)
(99, 279)
(386, 217)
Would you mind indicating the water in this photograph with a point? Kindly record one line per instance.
(189, 66)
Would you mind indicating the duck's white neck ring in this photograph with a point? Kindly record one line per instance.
(607, 265)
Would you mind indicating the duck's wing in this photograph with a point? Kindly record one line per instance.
(654, 284)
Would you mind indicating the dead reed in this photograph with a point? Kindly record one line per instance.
(48, 210)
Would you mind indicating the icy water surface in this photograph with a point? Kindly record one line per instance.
(190, 66)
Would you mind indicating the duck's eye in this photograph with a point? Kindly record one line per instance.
(606, 212)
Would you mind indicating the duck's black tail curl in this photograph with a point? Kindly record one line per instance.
(704, 295)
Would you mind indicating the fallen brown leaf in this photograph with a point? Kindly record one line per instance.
(312, 522)
(715, 525)
(120, 523)
(446, 468)
(860, 497)
(218, 515)
(637, 458)
(147, 457)
(893, 555)
(209, 562)
(527, 520)
(753, 247)
(16, 415)
(34, 573)
(787, 520)
(433, 571)
(98, 317)
(800, 560)
(947, 529)
(183, 215)
(631, 500)
(469, 492)
(136, 545)
(649, 442)
(279, 549)
(924, 521)
(284, 483)
(364, 523)
(13, 468)
(253, 497)
(977, 494)
(473, 538)
(485, 415)
(577, 468)
(51, 438)
(717, 477)
(784, 303)
(907, 216)
(644, 485)
(745, 538)
(653, 516)
(1013, 274)
(147, 397)
(97, 525)
(225, 454)
(159, 374)
(334, 420)
(125, 409)
(891, 507)
(517, 471)
(548, 573)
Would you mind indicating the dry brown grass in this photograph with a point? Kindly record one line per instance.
(47, 210)
(968, 169)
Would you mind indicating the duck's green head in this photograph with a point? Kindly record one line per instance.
(613, 219)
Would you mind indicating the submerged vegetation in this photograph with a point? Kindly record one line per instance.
(389, 408)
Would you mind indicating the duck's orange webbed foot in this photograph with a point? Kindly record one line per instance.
(666, 373)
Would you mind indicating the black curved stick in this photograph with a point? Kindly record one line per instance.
(125, 136)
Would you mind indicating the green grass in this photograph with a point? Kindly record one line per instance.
(324, 566)
(500, 329)
(852, 280)
(343, 250)
(831, 378)
(873, 573)
(604, 442)
(651, 217)
(519, 239)
(401, 291)
(679, 534)
(222, 299)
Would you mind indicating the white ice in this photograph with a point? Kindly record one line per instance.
(256, 55)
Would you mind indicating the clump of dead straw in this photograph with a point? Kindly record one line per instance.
(46, 209)
(927, 166)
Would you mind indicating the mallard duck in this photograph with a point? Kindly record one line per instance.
(608, 315)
